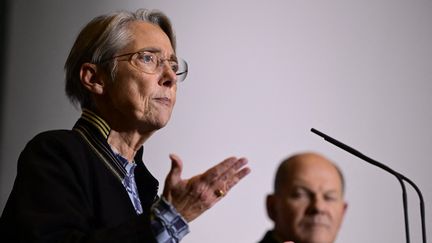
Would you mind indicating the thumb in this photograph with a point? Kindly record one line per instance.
(174, 175)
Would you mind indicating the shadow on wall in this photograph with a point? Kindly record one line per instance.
(4, 21)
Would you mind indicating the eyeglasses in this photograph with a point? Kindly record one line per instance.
(150, 63)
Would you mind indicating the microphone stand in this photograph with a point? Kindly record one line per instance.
(401, 178)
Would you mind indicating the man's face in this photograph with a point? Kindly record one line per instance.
(310, 206)
(142, 100)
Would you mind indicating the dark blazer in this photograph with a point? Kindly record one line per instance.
(268, 238)
(66, 192)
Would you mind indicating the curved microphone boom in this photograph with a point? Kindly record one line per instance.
(401, 178)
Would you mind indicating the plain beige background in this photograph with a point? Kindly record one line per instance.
(262, 73)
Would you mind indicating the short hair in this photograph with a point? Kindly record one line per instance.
(100, 40)
(281, 173)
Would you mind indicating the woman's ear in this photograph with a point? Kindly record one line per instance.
(92, 78)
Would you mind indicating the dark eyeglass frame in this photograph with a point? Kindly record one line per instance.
(181, 74)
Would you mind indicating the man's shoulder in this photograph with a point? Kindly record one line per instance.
(268, 238)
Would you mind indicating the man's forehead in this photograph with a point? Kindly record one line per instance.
(311, 165)
(314, 175)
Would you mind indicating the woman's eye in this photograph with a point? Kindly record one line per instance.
(174, 66)
(147, 58)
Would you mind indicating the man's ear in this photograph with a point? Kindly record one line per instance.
(92, 78)
(271, 206)
(345, 207)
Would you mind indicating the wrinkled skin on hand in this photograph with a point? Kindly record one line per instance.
(192, 197)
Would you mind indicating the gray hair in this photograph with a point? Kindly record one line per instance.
(100, 40)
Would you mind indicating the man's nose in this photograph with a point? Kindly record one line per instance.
(317, 204)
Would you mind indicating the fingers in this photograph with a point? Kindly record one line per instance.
(216, 171)
(226, 168)
(174, 176)
(225, 175)
(191, 197)
(236, 178)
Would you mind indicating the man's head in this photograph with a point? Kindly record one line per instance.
(307, 205)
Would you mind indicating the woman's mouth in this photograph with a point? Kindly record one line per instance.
(164, 101)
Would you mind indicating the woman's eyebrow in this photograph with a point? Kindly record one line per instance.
(158, 51)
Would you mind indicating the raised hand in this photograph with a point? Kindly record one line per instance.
(194, 196)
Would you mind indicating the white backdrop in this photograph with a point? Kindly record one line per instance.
(262, 73)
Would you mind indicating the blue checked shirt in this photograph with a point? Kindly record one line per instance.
(167, 224)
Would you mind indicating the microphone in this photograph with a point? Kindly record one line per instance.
(401, 178)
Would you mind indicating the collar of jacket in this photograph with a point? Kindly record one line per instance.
(95, 130)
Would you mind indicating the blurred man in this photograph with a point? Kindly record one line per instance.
(307, 205)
